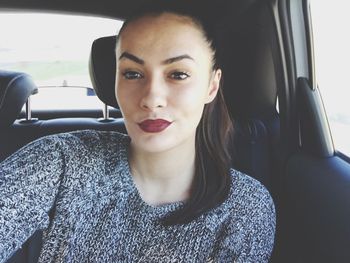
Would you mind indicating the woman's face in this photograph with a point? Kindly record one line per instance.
(164, 78)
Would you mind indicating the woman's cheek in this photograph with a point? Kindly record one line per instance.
(188, 96)
(125, 92)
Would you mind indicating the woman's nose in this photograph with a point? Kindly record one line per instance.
(153, 94)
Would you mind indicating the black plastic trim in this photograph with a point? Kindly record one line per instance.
(309, 43)
(315, 133)
(287, 94)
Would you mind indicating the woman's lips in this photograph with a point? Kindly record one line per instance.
(157, 125)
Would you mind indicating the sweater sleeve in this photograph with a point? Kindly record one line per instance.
(253, 241)
(29, 182)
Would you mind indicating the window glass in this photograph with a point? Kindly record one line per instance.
(54, 50)
(332, 55)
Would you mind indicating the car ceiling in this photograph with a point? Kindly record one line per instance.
(113, 8)
(105, 8)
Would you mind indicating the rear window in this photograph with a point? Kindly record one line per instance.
(54, 49)
(332, 55)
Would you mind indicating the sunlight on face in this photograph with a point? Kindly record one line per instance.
(164, 78)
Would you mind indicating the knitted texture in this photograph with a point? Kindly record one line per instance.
(84, 179)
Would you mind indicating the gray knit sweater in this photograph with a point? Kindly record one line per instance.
(99, 215)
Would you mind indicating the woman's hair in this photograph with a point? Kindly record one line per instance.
(212, 180)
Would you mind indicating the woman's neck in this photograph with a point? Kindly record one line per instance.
(164, 177)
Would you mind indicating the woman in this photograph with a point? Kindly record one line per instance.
(166, 193)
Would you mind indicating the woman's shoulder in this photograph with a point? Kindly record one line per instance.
(248, 188)
(246, 221)
(88, 141)
(248, 198)
(80, 146)
(82, 137)
(91, 137)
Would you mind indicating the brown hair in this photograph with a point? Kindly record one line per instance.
(212, 181)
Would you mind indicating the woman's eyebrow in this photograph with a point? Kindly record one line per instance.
(131, 57)
(175, 59)
(142, 62)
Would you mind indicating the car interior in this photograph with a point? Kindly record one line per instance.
(281, 133)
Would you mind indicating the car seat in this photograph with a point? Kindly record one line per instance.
(15, 91)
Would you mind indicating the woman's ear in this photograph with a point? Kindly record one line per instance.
(214, 85)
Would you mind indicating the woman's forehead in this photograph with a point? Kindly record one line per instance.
(166, 33)
(164, 18)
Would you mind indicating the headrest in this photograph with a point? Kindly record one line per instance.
(15, 89)
(102, 69)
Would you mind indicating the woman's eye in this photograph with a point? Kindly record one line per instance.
(179, 75)
(132, 75)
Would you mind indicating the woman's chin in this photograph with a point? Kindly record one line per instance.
(154, 143)
(163, 141)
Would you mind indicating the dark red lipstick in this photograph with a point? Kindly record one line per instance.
(157, 125)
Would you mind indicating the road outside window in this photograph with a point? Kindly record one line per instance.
(332, 55)
(54, 50)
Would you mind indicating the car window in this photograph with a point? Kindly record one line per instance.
(54, 49)
(332, 56)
